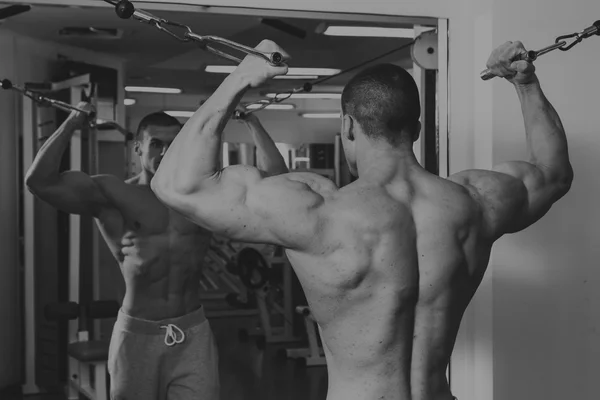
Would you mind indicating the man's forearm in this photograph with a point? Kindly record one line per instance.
(193, 157)
(546, 139)
(45, 167)
(269, 159)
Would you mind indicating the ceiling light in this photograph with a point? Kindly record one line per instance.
(334, 96)
(147, 89)
(369, 31)
(91, 32)
(305, 77)
(313, 71)
(180, 114)
(188, 114)
(130, 102)
(220, 69)
(271, 107)
(320, 115)
(227, 69)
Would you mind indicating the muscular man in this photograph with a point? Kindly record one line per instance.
(162, 346)
(389, 262)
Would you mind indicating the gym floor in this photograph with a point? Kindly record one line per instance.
(248, 373)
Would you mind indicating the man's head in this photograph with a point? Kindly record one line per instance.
(379, 105)
(153, 137)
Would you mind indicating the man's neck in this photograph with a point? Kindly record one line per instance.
(144, 177)
(387, 163)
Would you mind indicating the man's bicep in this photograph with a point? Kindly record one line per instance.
(533, 184)
(244, 206)
(219, 203)
(526, 173)
(75, 192)
(289, 208)
(502, 196)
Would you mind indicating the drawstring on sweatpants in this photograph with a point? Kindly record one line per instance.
(171, 335)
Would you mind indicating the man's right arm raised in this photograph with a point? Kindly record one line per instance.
(73, 192)
(516, 194)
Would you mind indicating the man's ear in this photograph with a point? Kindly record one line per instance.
(348, 127)
(417, 131)
(137, 147)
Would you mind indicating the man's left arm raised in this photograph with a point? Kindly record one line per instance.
(238, 201)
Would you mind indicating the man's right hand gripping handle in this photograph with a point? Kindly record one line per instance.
(72, 191)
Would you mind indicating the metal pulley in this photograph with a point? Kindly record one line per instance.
(425, 50)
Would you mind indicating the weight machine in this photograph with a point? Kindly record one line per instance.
(60, 251)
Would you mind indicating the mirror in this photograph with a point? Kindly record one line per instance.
(268, 344)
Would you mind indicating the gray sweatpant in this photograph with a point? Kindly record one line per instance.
(173, 359)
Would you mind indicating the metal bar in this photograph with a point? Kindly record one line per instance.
(29, 278)
(144, 16)
(550, 48)
(43, 100)
(443, 100)
(430, 136)
(274, 58)
(63, 106)
(222, 54)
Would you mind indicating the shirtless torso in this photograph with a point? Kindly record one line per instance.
(388, 282)
(160, 253)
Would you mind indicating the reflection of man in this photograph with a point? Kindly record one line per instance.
(389, 262)
(162, 345)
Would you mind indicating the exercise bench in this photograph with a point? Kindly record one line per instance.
(86, 355)
(313, 355)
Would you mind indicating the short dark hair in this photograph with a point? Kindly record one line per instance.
(156, 119)
(384, 99)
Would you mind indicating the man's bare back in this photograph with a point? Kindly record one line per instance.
(388, 279)
(160, 253)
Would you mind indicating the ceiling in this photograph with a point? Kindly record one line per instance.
(155, 58)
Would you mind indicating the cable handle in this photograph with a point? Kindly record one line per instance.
(274, 58)
(560, 43)
(41, 99)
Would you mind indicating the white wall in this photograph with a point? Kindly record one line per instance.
(546, 279)
(22, 60)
